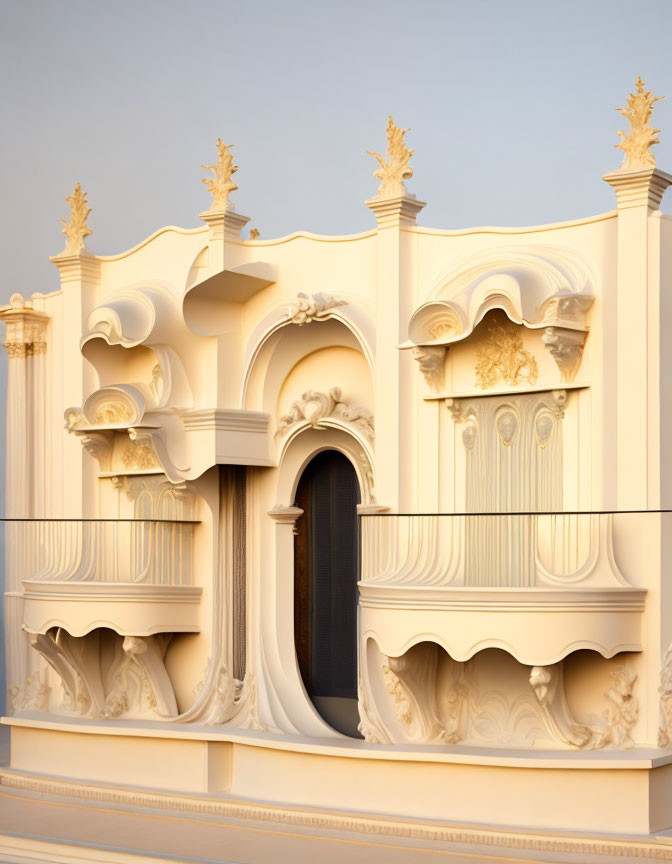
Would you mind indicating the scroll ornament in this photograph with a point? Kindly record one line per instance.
(312, 307)
(315, 407)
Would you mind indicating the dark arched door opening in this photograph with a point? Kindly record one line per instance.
(325, 588)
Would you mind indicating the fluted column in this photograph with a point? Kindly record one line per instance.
(25, 492)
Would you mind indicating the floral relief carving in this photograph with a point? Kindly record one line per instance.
(139, 456)
(312, 307)
(315, 407)
(502, 357)
(32, 696)
(395, 169)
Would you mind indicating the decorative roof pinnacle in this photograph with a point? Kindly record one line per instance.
(221, 184)
(393, 171)
(76, 229)
(637, 142)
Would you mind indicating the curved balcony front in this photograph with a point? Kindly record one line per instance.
(538, 586)
(131, 576)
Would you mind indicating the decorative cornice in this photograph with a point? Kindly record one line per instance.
(83, 266)
(224, 223)
(639, 188)
(395, 212)
(225, 420)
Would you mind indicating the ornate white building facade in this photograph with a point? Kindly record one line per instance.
(373, 527)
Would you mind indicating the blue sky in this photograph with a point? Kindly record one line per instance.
(510, 103)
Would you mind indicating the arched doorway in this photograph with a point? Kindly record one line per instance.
(325, 588)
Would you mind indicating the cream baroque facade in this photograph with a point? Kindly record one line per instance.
(374, 524)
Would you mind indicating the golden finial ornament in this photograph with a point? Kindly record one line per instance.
(395, 169)
(76, 229)
(636, 143)
(221, 184)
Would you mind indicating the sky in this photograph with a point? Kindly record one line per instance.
(510, 104)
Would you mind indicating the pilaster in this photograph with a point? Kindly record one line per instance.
(225, 225)
(638, 193)
(26, 471)
(394, 368)
(79, 274)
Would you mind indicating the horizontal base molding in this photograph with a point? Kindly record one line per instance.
(257, 778)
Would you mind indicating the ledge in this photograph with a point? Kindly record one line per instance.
(537, 626)
(618, 760)
(128, 608)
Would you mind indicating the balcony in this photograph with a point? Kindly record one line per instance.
(131, 576)
(537, 585)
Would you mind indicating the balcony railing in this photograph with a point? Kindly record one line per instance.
(538, 585)
(485, 550)
(133, 576)
(153, 552)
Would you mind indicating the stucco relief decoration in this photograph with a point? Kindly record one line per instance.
(139, 457)
(315, 407)
(395, 169)
(502, 357)
(76, 229)
(312, 307)
(33, 696)
(637, 142)
(110, 413)
(221, 184)
(430, 361)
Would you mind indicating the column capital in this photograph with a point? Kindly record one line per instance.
(395, 211)
(79, 267)
(224, 223)
(285, 515)
(25, 328)
(644, 187)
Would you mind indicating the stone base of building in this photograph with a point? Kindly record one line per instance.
(598, 803)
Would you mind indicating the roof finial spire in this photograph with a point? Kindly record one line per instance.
(396, 169)
(76, 229)
(637, 142)
(221, 184)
